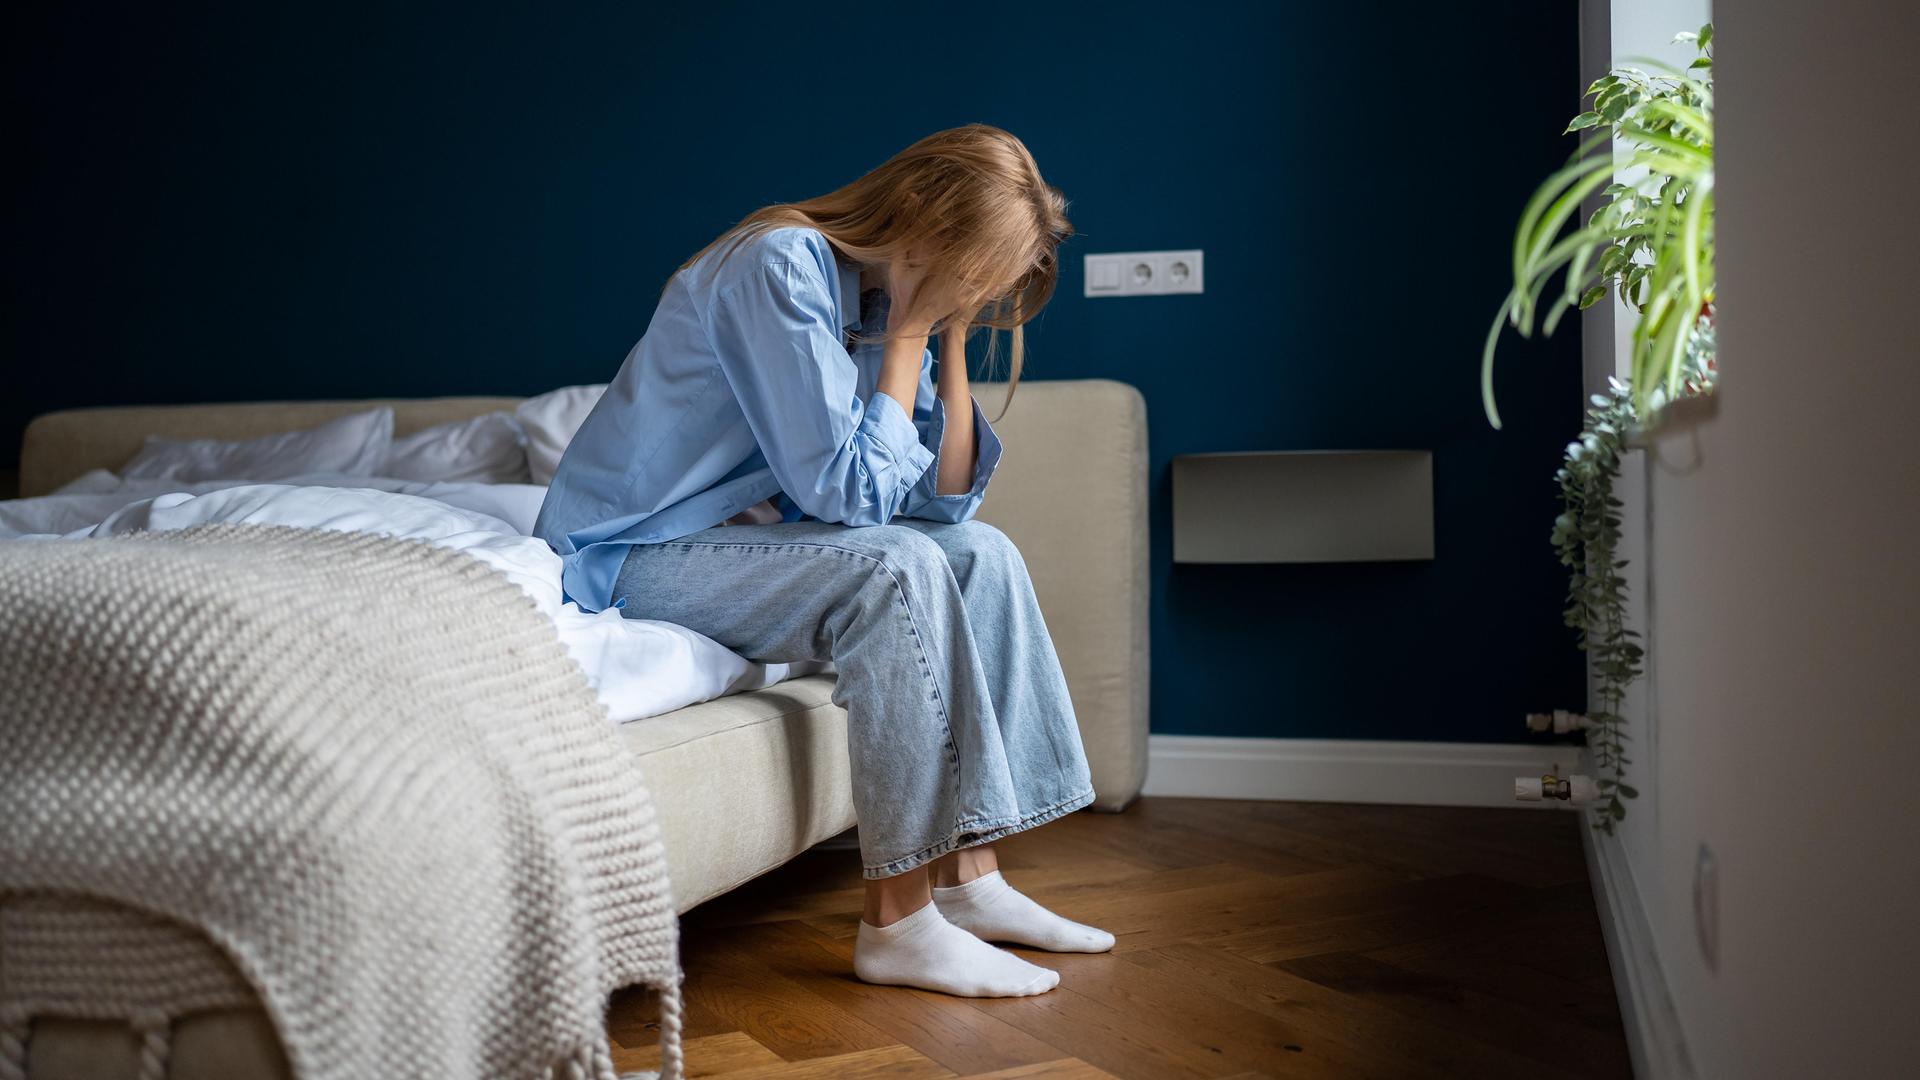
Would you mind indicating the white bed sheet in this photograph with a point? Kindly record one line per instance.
(638, 667)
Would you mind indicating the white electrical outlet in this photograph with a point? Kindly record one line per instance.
(1145, 273)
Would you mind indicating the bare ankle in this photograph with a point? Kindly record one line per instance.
(891, 899)
(962, 866)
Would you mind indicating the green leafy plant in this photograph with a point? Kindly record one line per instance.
(1651, 240)
(1651, 244)
(1587, 536)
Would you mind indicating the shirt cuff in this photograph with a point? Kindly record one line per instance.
(925, 501)
(889, 428)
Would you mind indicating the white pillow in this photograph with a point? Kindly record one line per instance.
(353, 445)
(488, 449)
(550, 421)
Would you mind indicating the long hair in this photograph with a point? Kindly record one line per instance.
(969, 199)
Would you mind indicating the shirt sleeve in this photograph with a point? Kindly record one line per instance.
(839, 459)
(930, 419)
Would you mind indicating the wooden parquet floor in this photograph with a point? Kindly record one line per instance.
(1255, 939)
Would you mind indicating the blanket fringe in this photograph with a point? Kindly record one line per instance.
(672, 1057)
(672, 1064)
(13, 1047)
(155, 1031)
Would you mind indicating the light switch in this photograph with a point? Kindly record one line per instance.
(1103, 275)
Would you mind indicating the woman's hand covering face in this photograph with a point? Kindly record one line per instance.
(918, 299)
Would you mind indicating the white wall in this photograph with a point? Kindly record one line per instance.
(1783, 568)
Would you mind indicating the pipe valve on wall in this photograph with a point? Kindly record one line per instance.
(1559, 721)
(1573, 790)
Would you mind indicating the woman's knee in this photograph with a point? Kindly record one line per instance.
(974, 546)
(905, 552)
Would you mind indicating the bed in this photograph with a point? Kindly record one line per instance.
(747, 761)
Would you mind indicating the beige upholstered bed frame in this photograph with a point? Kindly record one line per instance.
(1071, 492)
(60, 446)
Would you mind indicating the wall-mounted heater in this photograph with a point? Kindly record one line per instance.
(1303, 506)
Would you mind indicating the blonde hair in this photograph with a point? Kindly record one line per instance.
(969, 199)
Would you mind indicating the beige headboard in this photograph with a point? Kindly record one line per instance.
(60, 446)
(1071, 492)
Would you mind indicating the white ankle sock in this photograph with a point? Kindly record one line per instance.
(925, 950)
(995, 911)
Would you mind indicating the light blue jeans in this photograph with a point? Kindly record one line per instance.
(959, 725)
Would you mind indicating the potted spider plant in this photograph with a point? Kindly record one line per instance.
(1648, 160)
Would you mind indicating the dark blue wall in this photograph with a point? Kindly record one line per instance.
(398, 201)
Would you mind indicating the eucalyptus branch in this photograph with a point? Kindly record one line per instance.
(1587, 537)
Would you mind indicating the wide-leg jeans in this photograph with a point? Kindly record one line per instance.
(960, 730)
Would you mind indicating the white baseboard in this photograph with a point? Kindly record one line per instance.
(1654, 1036)
(1349, 770)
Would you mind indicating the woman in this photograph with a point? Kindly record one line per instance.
(774, 467)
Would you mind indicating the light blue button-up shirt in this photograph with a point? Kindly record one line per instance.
(742, 390)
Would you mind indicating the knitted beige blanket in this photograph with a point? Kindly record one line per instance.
(364, 767)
